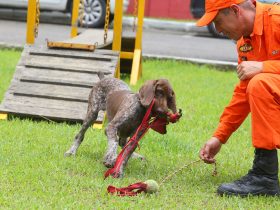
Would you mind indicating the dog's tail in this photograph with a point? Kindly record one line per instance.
(100, 75)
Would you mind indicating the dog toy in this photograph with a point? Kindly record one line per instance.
(149, 186)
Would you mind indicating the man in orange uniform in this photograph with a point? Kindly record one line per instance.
(256, 28)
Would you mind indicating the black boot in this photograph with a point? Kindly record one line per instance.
(262, 179)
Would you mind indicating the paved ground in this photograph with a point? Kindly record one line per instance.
(170, 39)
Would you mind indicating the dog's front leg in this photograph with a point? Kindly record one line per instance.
(127, 153)
(111, 154)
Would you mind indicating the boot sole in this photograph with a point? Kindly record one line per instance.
(222, 193)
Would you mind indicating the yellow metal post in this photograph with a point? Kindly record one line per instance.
(117, 39)
(31, 18)
(3, 116)
(139, 32)
(136, 70)
(136, 65)
(75, 16)
(118, 69)
(100, 125)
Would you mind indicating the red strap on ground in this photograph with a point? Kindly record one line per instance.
(131, 190)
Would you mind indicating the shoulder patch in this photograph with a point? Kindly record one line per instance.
(246, 48)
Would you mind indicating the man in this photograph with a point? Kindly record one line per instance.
(256, 28)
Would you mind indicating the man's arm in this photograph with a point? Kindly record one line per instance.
(271, 66)
(234, 114)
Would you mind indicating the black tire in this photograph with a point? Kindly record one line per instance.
(94, 13)
(214, 32)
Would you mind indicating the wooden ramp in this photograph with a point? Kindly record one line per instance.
(55, 84)
(89, 39)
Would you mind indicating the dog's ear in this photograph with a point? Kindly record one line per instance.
(147, 92)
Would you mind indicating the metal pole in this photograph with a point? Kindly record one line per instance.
(30, 26)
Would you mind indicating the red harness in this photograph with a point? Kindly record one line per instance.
(156, 123)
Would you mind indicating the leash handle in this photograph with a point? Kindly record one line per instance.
(169, 176)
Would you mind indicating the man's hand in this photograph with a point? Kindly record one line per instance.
(248, 69)
(210, 149)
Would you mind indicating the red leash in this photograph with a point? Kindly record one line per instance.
(157, 124)
(144, 126)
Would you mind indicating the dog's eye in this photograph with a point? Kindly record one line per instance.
(170, 98)
(159, 93)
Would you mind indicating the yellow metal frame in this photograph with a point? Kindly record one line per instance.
(31, 18)
(3, 116)
(135, 56)
(100, 125)
(136, 71)
(75, 16)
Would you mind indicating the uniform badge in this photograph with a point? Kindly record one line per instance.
(246, 48)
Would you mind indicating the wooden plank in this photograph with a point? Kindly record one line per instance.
(57, 81)
(44, 49)
(73, 54)
(51, 91)
(63, 45)
(38, 60)
(78, 109)
(91, 36)
(85, 77)
(53, 114)
(59, 85)
(46, 103)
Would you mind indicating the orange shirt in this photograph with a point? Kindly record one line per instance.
(263, 45)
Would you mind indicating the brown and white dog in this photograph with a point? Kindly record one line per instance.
(125, 111)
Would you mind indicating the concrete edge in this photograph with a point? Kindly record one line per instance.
(222, 65)
(150, 23)
(11, 46)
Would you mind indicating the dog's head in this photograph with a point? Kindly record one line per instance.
(162, 92)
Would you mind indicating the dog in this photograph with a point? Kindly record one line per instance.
(125, 111)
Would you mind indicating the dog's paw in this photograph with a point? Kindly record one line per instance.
(118, 175)
(109, 160)
(138, 156)
(69, 153)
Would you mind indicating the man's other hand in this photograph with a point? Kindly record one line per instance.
(210, 149)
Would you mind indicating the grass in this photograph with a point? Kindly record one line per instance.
(35, 175)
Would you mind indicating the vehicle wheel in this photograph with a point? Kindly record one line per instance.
(214, 32)
(93, 13)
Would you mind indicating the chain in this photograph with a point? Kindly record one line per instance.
(169, 176)
(81, 12)
(37, 20)
(106, 25)
(135, 14)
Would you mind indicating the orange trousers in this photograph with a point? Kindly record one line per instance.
(263, 95)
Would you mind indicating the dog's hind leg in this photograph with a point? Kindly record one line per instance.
(90, 118)
(93, 108)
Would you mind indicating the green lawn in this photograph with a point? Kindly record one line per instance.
(35, 175)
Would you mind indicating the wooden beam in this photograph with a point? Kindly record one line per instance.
(89, 47)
